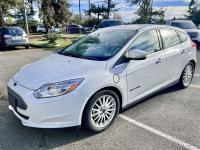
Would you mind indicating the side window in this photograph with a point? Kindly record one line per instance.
(19, 32)
(147, 41)
(169, 37)
(183, 36)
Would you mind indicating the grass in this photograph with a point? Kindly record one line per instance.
(43, 43)
(60, 43)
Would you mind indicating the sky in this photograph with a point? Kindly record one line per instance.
(173, 8)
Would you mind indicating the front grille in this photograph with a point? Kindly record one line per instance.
(15, 100)
(193, 34)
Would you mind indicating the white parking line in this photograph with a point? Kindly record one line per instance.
(195, 86)
(160, 133)
(197, 75)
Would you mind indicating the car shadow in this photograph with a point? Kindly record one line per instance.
(12, 49)
(13, 135)
(168, 90)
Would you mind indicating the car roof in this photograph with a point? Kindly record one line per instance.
(11, 27)
(111, 20)
(137, 27)
(181, 21)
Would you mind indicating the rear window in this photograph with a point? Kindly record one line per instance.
(19, 32)
(169, 37)
(110, 23)
(14, 32)
(184, 25)
(183, 36)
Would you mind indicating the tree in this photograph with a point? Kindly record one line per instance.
(158, 16)
(5, 6)
(194, 11)
(145, 10)
(101, 10)
(54, 12)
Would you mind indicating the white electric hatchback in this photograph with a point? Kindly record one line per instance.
(90, 81)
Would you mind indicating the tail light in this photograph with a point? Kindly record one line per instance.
(7, 37)
(194, 45)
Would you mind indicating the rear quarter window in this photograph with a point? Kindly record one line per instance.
(19, 32)
(170, 38)
(183, 37)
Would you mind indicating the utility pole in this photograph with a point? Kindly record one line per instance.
(79, 5)
(26, 20)
(89, 9)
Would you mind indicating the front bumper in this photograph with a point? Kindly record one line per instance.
(55, 112)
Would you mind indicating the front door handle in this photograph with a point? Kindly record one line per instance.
(159, 61)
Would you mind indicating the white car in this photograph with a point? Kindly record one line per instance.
(41, 29)
(104, 72)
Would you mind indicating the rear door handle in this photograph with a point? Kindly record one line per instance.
(159, 61)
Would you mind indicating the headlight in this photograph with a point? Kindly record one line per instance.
(57, 89)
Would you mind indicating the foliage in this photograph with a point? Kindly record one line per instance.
(158, 16)
(145, 10)
(101, 10)
(194, 11)
(5, 6)
(52, 37)
(54, 12)
(91, 23)
(31, 23)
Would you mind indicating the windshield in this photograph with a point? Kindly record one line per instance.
(105, 24)
(184, 25)
(99, 45)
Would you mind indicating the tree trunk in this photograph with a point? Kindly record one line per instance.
(79, 5)
(89, 3)
(108, 11)
(1, 17)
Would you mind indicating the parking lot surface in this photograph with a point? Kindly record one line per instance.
(169, 120)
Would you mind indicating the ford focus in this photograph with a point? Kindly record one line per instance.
(90, 81)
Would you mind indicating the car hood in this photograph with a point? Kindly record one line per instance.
(56, 68)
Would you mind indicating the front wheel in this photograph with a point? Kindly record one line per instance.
(101, 111)
(187, 75)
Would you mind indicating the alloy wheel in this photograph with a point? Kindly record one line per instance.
(103, 111)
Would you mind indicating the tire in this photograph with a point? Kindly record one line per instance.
(92, 123)
(27, 47)
(187, 75)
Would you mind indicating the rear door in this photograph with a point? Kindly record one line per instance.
(174, 53)
(146, 76)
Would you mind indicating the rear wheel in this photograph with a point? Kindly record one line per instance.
(101, 111)
(187, 75)
(27, 47)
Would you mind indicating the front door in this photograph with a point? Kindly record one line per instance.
(146, 76)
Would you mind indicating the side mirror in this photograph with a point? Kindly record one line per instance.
(136, 55)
